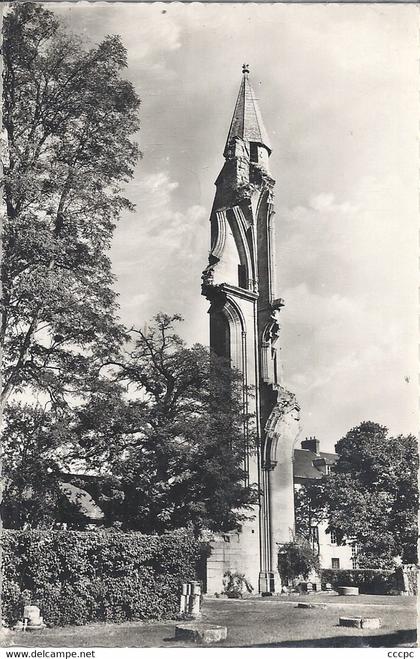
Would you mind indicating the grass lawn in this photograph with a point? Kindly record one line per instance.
(254, 622)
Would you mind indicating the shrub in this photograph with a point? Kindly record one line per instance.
(296, 559)
(77, 577)
(369, 581)
(235, 584)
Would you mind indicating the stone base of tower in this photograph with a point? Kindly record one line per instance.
(269, 582)
(237, 552)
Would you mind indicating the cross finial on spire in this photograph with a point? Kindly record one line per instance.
(245, 68)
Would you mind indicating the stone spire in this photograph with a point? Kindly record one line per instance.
(244, 314)
(247, 123)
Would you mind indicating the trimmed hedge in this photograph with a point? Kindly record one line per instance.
(76, 577)
(372, 582)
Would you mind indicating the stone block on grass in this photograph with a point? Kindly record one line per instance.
(347, 590)
(310, 605)
(360, 623)
(350, 621)
(371, 623)
(200, 632)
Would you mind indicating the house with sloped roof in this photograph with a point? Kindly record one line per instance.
(309, 464)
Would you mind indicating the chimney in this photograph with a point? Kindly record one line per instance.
(311, 444)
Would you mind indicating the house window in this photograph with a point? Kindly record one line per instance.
(315, 533)
(335, 563)
(333, 538)
(328, 469)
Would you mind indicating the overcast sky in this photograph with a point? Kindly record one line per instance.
(338, 89)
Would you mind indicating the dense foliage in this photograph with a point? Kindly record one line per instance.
(163, 430)
(369, 581)
(176, 446)
(371, 496)
(80, 577)
(68, 118)
(159, 423)
(296, 559)
(310, 507)
(32, 440)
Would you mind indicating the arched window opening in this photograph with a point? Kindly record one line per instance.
(220, 335)
(253, 152)
(242, 278)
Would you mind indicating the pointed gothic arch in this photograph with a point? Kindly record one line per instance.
(234, 217)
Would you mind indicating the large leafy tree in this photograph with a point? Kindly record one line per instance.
(68, 118)
(371, 495)
(162, 423)
(162, 430)
(310, 506)
(25, 460)
(170, 429)
(32, 440)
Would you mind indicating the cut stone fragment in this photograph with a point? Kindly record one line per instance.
(347, 590)
(310, 605)
(200, 632)
(350, 622)
(371, 623)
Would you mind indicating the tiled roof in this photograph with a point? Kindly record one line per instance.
(303, 466)
(247, 122)
(329, 457)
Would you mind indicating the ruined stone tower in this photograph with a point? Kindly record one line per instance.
(240, 284)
